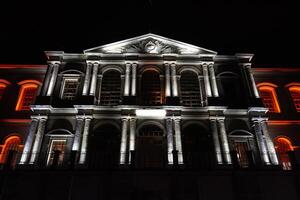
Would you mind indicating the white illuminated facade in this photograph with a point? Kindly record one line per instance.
(149, 102)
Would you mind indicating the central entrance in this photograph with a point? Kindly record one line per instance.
(151, 147)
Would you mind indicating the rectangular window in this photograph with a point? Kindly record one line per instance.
(56, 153)
(268, 101)
(70, 89)
(241, 149)
(2, 89)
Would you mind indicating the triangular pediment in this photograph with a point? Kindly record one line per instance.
(150, 44)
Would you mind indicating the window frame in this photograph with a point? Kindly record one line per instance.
(3, 85)
(65, 78)
(24, 85)
(293, 88)
(267, 87)
(49, 151)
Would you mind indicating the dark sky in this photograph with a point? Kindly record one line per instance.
(269, 29)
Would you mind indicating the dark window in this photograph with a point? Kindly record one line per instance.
(190, 91)
(26, 96)
(269, 98)
(111, 88)
(241, 149)
(295, 93)
(56, 152)
(283, 146)
(70, 89)
(151, 89)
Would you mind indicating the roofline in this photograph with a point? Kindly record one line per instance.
(149, 35)
(22, 66)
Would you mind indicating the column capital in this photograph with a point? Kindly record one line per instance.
(259, 119)
(93, 62)
(177, 119)
(54, 62)
(219, 118)
(39, 117)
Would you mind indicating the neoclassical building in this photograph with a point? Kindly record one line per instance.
(148, 102)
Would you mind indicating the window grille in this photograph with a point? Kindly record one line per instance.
(295, 93)
(56, 152)
(70, 89)
(151, 89)
(269, 98)
(190, 91)
(111, 88)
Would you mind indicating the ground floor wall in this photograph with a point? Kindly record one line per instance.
(150, 185)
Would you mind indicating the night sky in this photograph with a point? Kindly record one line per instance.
(269, 29)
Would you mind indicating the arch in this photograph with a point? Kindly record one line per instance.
(240, 133)
(192, 122)
(197, 146)
(295, 94)
(267, 84)
(269, 97)
(111, 88)
(238, 124)
(11, 143)
(151, 122)
(27, 94)
(60, 132)
(283, 146)
(151, 146)
(151, 88)
(71, 72)
(227, 73)
(107, 68)
(190, 89)
(98, 124)
(189, 68)
(104, 146)
(60, 124)
(146, 68)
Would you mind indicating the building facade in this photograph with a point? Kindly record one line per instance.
(153, 103)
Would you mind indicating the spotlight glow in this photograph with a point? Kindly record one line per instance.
(150, 113)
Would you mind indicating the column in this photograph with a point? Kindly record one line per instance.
(178, 140)
(224, 141)
(99, 88)
(29, 140)
(250, 75)
(87, 79)
(133, 79)
(261, 142)
(214, 129)
(94, 79)
(38, 140)
(206, 81)
(78, 132)
(174, 80)
(84, 143)
(132, 137)
(200, 90)
(167, 79)
(213, 81)
(123, 147)
(47, 79)
(170, 140)
(53, 79)
(127, 83)
(270, 144)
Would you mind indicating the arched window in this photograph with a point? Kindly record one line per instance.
(27, 94)
(151, 89)
(269, 97)
(190, 91)
(3, 85)
(295, 93)
(283, 146)
(9, 150)
(111, 88)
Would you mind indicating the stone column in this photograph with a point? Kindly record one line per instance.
(53, 79)
(213, 81)
(133, 80)
(127, 79)
(214, 129)
(174, 80)
(87, 79)
(123, 147)
(47, 79)
(78, 133)
(201, 92)
(83, 149)
(29, 140)
(132, 137)
(167, 79)
(94, 79)
(99, 87)
(261, 142)
(224, 141)
(250, 75)
(170, 140)
(206, 81)
(270, 144)
(178, 142)
(38, 140)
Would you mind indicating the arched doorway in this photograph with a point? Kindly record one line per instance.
(151, 93)
(151, 147)
(197, 147)
(283, 147)
(10, 150)
(104, 147)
